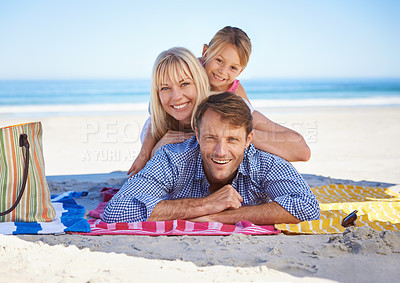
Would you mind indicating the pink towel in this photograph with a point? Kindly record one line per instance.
(107, 193)
(168, 228)
(177, 228)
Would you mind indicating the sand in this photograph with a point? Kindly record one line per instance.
(349, 145)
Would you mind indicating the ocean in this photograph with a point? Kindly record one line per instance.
(133, 95)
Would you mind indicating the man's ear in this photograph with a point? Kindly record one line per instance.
(197, 134)
(249, 138)
(205, 48)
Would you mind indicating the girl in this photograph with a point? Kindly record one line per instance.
(224, 58)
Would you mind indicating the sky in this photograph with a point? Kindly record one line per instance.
(115, 39)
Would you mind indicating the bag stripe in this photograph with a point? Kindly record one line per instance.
(35, 205)
(14, 167)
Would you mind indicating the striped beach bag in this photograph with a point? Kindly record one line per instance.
(24, 193)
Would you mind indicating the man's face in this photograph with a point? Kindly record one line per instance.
(222, 147)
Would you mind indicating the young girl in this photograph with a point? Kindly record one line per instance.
(224, 58)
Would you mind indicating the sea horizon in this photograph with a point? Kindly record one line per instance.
(129, 95)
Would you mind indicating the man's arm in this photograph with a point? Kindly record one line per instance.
(225, 198)
(264, 214)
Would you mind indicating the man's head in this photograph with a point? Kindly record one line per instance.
(224, 130)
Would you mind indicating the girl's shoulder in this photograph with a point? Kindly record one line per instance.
(235, 86)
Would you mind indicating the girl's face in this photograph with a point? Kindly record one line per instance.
(178, 98)
(223, 68)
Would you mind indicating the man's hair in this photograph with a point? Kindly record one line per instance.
(230, 107)
(229, 35)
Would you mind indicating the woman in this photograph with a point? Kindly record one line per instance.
(179, 83)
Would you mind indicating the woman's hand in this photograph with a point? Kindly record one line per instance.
(172, 137)
(137, 165)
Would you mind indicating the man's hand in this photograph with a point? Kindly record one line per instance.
(224, 198)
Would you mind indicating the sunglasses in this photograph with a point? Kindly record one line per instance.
(350, 220)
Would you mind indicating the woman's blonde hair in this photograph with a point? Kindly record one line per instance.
(174, 64)
(229, 35)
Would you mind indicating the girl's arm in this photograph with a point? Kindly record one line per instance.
(276, 139)
(145, 153)
(279, 140)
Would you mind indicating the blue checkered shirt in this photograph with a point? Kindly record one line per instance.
(176, 172)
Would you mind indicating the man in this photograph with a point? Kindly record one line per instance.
(217, 175)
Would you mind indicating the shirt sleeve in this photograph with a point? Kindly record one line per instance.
(137, 198)
(249, 105)
(288, 188)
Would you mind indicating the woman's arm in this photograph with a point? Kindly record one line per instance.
(171, 137)
(145, 153)
(279, 140)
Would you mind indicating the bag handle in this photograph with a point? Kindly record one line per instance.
(23, 142)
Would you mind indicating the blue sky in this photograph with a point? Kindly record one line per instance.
(97, 39)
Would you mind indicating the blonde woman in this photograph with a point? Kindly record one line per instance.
(179, 83)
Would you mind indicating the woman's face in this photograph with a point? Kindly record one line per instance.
(178, 98)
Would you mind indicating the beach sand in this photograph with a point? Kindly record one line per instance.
(349, 145)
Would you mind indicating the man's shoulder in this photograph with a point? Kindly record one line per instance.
(254, 154)
(261, 161)
(262, 166)
(171, 160)
(178, 151)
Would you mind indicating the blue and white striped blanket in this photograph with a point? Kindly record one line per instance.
(69, 218)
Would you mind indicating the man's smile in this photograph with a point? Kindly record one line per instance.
(220, 161)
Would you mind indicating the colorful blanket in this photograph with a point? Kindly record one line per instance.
(69, 218)
(377, 207)
(177, 228)
(168, 228)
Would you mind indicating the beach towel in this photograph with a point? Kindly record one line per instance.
(378, 208)
(177, 228)
(168, 228)
(69, 218)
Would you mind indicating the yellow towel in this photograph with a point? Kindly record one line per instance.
(377, 207)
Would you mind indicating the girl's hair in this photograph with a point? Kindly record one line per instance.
(229, 35)
(174, 64)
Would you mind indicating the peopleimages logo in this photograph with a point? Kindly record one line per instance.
(109, 155)
(308, 129)
(111, 132)
(118, 141)
(113, 141)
